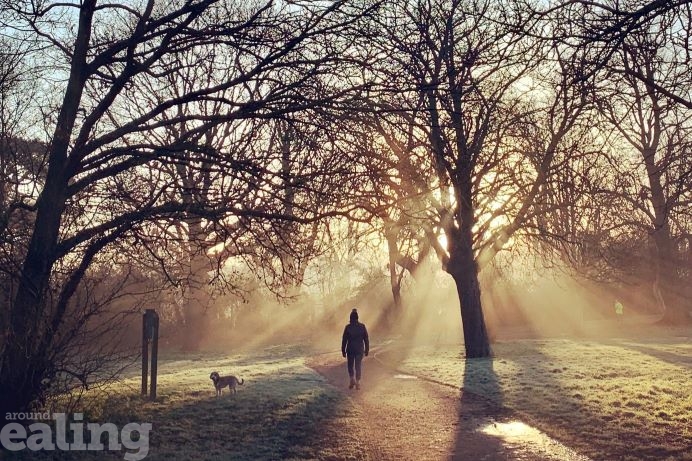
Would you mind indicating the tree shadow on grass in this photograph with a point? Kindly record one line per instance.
(273, 418)
(681, 359)
(479, 407)
(523, 431)
(538, 388)
(288, 414)
(588, 407)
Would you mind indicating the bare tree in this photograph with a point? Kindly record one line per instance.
(638, 51)
(656, 129)
(464, 79)
(20, 165)
(103, 182)
(604, 27)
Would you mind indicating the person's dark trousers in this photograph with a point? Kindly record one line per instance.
(354, 360)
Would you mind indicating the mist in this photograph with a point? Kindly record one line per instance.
(461, 173)
(545, 302)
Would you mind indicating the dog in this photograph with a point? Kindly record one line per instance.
(222, 381)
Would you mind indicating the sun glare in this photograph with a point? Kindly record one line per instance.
(442, 240)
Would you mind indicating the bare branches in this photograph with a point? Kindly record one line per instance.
(162, 125)
(606, 27)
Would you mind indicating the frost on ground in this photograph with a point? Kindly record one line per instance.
(624, 399)
(621, 399)
(283, 411)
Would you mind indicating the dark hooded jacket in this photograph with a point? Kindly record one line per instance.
(355, 340)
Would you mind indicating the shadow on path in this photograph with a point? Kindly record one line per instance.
(408, 417)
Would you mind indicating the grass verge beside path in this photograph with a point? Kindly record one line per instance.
(617, 400)
(283, 411)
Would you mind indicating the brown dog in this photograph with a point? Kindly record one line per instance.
(222, 381)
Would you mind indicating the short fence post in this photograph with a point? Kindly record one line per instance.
(150, 334)
(145, 355)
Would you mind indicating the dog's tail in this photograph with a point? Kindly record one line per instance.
(241, 382)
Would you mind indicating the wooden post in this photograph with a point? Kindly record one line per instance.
(150, 334)
(145, 355)
(154, 354)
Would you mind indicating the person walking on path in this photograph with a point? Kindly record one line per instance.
(354, 345)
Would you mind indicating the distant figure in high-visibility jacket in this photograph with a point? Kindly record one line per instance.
(354, 345)
(619, 310)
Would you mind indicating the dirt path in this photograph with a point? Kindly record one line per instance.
(407, 418)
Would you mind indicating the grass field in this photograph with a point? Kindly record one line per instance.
(614, 400)
(283, 411)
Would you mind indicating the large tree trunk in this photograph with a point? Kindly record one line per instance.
(464, 271)
(197, 316)
(22, 369)
(197, 302)
(196, 323)
(463, 268)
(667, 285)
(394, 309)
(462, 264)
(23, 366)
